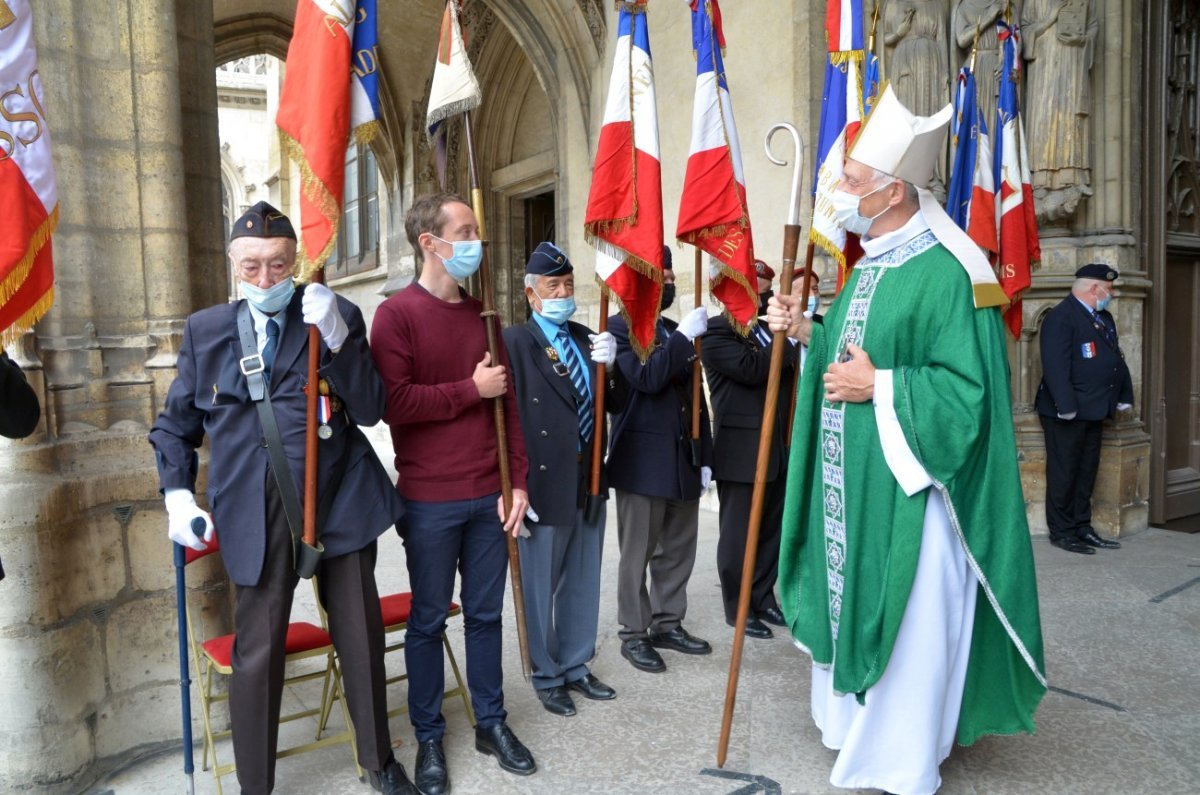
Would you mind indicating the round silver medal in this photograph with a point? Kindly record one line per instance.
(324, 431)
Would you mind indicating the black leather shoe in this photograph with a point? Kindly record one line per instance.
(755, 629)
(433, 777)
(1071, 545)
(642, 656)
(678, 639)
(772, 615)
(591, 687)
(511, 753)
(1091, 539)
(557, 701)
(392, 780)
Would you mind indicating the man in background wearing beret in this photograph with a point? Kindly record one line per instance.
(737, 366)
(1084, 382)
(215, 393)
(555, 379)
(658, 485)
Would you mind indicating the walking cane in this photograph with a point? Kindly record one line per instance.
(490, 321)
(185, 679)
(791, 242)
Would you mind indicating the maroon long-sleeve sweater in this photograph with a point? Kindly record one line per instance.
(443, 433)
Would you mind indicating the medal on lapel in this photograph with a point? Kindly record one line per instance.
(1088, 349)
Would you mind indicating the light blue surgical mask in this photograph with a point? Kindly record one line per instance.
(845, 210)
(271, 300)
(557, 310)
(465, 259)
(812, 304)
(1102, 303)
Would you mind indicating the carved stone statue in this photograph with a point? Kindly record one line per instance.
(1059, 42)
(916, 61)
(973, 17)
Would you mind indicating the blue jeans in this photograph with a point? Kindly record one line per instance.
(440, 537)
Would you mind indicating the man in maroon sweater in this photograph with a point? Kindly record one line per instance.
(430, 347)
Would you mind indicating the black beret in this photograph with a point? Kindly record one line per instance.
(1097, 270)
(262, 220)
(763, 270)
(548, 260)
(667, 258)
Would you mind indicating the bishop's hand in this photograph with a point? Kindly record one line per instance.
(852, 378)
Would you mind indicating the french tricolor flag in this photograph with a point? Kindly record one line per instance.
(624, 218)
(713, 215)
(971, 198)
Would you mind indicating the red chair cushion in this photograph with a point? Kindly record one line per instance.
(396, 607)
(301, 636)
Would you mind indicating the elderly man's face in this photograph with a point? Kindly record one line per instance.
(263, 261)
(550, 287)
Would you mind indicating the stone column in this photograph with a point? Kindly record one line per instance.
(88, 660)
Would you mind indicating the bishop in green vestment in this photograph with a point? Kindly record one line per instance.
(903, 450)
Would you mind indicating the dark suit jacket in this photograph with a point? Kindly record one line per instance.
(736, 368)
(650, 442)
(209, 397)
(19, 410)
(548, 406)
(1091, 385)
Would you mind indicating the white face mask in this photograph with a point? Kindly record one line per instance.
(845, 210)
(271, 300)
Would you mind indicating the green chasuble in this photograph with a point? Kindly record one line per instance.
(851, 536)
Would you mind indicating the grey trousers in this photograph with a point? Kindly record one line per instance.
(659, 534)
(560, 575)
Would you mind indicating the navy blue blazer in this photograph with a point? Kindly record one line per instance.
(1081, 370)
(649, 448)
(736, 368)
(209, 397)
(548, 406)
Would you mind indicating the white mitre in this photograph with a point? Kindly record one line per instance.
(896, 142)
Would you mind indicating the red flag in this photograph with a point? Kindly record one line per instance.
(712, 210)
(28, 192)
(624, 218)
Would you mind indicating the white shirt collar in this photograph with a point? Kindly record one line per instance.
(877, 246)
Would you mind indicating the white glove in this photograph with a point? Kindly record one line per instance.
(705, 478)
(604, 348)
(1070, 415)
(694, 323)
(320, 310)
(181, 510)
(1124, 406)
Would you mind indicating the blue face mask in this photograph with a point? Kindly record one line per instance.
(465, 259)
(1102, 303)
(812, 304)
(557, 310)
(271, 300)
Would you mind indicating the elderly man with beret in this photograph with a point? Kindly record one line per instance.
(1084, 382)
(236, 358)
(554, 373)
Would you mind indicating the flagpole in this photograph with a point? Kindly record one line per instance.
(598, 406)
(490, 322)
(804, 291)
(696, 378)
(791, 244)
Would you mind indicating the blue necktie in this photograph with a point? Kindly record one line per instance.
(268, 351)
(575, 372)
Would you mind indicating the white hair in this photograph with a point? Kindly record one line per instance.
(531, 280)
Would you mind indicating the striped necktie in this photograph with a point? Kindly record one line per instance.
(268, 351)
(575, 372)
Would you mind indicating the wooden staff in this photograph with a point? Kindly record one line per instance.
(804, 290)
(598, 392)
(491, 320)
(791, 243)
(310, 431)
(696, 449)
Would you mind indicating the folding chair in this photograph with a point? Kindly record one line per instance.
(395, 609)
(213, 657)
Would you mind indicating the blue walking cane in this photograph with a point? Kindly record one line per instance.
(185, 681)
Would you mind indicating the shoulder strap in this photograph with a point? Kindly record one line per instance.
(251, 365)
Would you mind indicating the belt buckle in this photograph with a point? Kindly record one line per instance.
(249, 365)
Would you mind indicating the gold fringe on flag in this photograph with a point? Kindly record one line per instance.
(320, 195)
(20, 272)
(10, 336)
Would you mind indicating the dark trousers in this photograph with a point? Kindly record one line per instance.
(439, 538)
(560, 575)
(261, 615)
(658, 534)
(1072, 459)
(731, 547)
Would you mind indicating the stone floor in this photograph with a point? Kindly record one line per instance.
(1122, 633)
